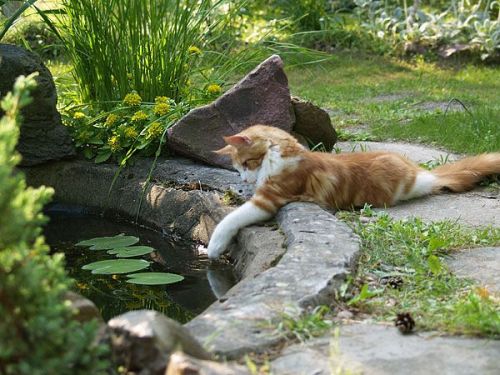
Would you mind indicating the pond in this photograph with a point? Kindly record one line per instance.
(203, 282)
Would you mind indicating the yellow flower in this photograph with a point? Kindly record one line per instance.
(161, 109)
(111, 120)
(161, 99)
(194, 50)
(139, 116)
(79, 115)
(130, 132)
(154, 130)
(132, 99)
(114, 143)
(214, 89)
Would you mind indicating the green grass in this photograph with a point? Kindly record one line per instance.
(414, 252)
(389, 96)
(306, 326)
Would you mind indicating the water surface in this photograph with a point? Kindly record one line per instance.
(203, 282)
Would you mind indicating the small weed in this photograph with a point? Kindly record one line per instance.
(414, 251)
(257, 369)
(306, 326)
(230, 198)
(431, 164)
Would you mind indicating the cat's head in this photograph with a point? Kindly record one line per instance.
(250, 148)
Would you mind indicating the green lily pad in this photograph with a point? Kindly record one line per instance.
(154, 278)
(131, 251)
(113, 266)
(103, 243)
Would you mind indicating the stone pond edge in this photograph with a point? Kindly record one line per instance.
(318, 251)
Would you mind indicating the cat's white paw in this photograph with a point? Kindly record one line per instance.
(217, 246)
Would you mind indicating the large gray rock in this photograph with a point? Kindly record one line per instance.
(320, 251)
(43, 137)
(262, 97)
(314, 124)
(143, 340)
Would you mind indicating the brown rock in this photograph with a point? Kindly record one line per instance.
(314, 124)
(43, 137)
(262, 97)
(143, 340)
(85, 309)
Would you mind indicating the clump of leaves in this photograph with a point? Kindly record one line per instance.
(37, 332)
(131, 126)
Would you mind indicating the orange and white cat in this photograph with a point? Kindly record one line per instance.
(284, 171)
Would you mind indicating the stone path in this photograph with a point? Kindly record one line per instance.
(380, 349)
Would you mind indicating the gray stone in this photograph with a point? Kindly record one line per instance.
(314, 124)
(377, 349)
(453, 106)
(417, 153)
(477, 208)
(43, 137)
(257, 249)
(143, 340)
(85, 310)
(185, 198)
(182, 364)
(262, 97)
(320, 252)
(481, 264)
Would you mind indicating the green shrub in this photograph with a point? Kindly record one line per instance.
(37, 333)
(475, 24)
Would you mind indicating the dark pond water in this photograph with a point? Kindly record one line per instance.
(203, 282)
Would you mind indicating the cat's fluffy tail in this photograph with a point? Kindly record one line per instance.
(464, 174)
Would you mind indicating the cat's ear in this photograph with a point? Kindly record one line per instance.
(238, 140)
(227, 150)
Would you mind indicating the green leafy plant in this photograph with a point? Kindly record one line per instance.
(121, 247)
(467, 23)
(130, 126)
(37, 332)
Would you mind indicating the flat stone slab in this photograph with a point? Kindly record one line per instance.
(379, 349)
(320, 251)
(481, 264)
(477, 208)
(417, 153)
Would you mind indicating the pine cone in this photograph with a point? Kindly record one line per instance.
(405, 323)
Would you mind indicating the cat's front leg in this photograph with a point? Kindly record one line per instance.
(248, 213)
